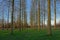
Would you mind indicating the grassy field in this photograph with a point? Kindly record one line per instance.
(29, 35)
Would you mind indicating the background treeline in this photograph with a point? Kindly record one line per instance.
(14, 14)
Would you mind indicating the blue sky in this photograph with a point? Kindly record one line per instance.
(57, 10)
(52, 10)
(28, 6)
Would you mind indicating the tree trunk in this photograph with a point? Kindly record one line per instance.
(49, 19)
(44, 12)
(8, 14)
(38, 15)
(19, 18)
(12, 17)
(54, 14)
(2, 17)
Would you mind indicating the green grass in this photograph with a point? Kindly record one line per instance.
(29, 35)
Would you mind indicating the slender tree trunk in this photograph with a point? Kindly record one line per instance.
(25, 15)
(3, 21)
(42, 21)
(8, 19)
(38, 15)
(3, 17)
(31, 20)
(19, 18)
(32, 15)
(54, 14)
(44, 12)
(49, 19)
(8, 14)
(12, 16)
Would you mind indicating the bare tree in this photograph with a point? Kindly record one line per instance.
(3, 16)
(24, 14)
(54, 14)
(44, 11)
(8, 5)
(49, 18)
(31, 15)
(38, 15)
(12, 16)
(19, 16)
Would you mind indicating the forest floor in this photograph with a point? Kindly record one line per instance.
(29, 35)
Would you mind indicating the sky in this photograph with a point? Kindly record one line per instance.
(28, 7)
(52, 10)
(57, 11)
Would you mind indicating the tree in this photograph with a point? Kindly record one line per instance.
(8, 4)
(3, 16)
(54, 14)
(12, 16)
(19, 16)
(31, 18)
(33, 14)
(38, 15)
(44, 11)
(24, 15)
(49, 18)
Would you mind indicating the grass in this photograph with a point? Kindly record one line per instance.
(29, 35)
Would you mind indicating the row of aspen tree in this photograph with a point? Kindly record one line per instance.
(15, 16)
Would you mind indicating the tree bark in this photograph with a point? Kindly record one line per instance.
(12, 17)
(49, 19)
(54, 14)
(38, 15)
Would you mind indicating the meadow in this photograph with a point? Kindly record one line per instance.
(30, 35)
